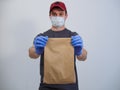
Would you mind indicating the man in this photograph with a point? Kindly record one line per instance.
(58, 14)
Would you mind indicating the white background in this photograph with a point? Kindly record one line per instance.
(97, 21)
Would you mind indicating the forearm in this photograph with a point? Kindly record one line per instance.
(83, 56)
(32, 53)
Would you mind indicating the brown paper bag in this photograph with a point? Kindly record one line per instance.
(59, 61)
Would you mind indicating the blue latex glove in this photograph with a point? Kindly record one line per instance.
(40, 43)
(77, 43)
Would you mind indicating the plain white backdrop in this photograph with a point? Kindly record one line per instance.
(97, 21)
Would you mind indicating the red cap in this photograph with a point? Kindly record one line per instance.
(58, 4)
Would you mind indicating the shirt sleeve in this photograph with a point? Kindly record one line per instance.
(74, 33)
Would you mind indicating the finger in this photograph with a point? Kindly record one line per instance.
(40, 42)
(39, 45)
(76, 45)
(44, 38)
(77, 36)
(77, 42)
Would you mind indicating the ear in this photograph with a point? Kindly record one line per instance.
(66, 16)
(49, 16)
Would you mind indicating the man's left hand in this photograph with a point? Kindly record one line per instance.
(77, 43)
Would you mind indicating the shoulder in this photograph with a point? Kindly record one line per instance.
(44, 33)
(47, 32)
(72, 33)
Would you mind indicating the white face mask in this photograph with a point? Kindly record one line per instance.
(57, 21)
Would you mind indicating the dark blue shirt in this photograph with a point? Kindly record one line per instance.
(57, 34)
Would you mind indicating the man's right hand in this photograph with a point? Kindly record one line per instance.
(40, 43)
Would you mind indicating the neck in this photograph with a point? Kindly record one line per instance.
(58, 28)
